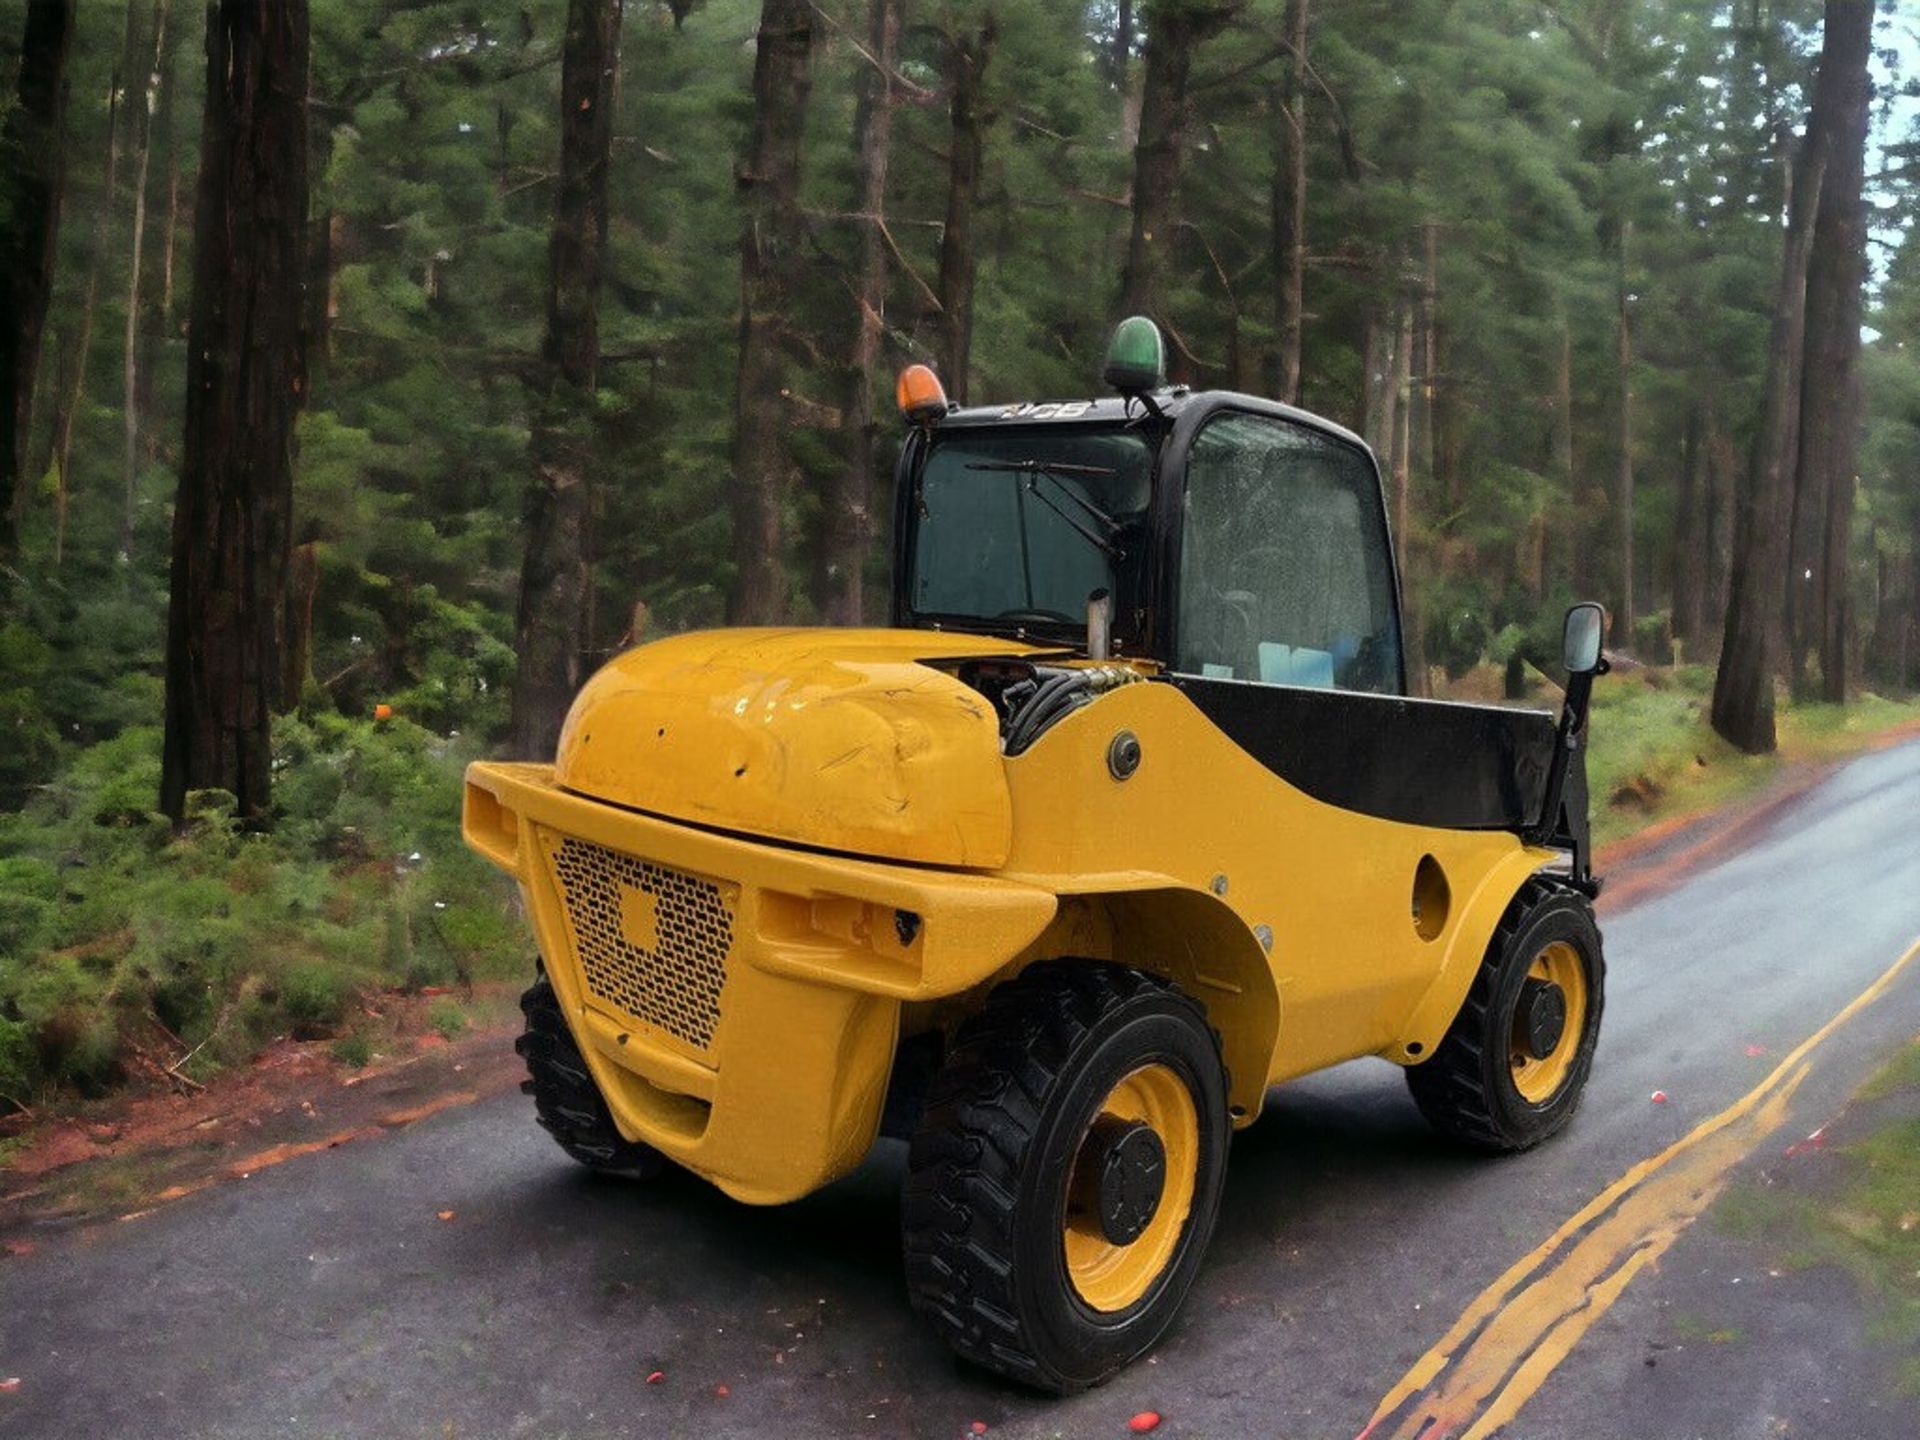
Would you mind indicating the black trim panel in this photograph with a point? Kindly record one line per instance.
(1422, 762)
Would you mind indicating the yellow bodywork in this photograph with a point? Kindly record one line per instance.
(764, 856)
(831, 738)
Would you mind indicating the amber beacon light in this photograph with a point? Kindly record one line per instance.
(920, 395)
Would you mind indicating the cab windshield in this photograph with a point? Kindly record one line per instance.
(1016, 528)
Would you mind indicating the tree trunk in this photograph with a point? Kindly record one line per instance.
(162, 204)
(1396, 424)
(966, 69)
(769, 253)
(1289, 206)
(303, 588)
(1399, 433)
(230, 524)
(1800, 608)
(1910, 636)
(1686, 567)
(1560, 442)
(1370, 372)
(555, 576)
(1723, 489)
(1743, 685)
(1122, 52)
(1623, 617)
(1175, 30)
(74, 377)
(32, 150)
(316, 326)
(1882, 659)
(141, 131)
(1383, 384)
(849, 503)
(1438, 402)
(1830, 403)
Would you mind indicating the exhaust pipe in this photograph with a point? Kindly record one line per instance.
(1100, 625)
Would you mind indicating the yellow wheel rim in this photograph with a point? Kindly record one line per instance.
(1539, 1078)
(1107, 1276)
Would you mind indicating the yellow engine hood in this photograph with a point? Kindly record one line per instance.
(829, 738)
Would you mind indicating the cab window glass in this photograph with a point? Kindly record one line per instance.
(998, 542)
(1284, 571)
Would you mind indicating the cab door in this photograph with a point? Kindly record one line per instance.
(1286, 634)
(1285, 570)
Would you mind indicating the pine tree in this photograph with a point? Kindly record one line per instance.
(1176, 29)
(232, 515)
(32, 150)
(1830, 384)
(769, 179)
(551, 626)
(849, 502)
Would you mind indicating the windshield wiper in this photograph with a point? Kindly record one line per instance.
(1035, 470)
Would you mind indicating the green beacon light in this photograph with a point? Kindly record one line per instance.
(1137, 357)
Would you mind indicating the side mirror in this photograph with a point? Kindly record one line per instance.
(1559, 822)
(1580, 643)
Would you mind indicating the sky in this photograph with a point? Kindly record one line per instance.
(1898, 32)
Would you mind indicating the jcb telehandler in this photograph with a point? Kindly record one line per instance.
(1125, 820)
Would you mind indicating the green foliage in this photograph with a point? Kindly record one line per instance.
(112, 924)
(354, 1049)
(1653, 638)
(449, 1017)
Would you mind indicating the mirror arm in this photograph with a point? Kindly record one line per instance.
(1561, 824)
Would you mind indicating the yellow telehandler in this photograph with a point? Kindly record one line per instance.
(1126, 819)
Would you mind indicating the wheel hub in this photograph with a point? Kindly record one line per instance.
(1127, 1166)
(1541, 1017)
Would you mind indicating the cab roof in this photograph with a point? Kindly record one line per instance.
(1175, 402)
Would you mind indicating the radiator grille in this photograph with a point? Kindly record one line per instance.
(653, 941)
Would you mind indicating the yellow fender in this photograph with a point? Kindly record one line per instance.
(1427, 1025)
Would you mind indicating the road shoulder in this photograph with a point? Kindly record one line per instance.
(1793, 1309)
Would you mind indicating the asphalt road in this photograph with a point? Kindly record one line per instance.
(325, 1297)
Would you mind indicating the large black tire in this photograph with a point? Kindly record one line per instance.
(992, 1171)
(1468, 1089)
(565, 1099)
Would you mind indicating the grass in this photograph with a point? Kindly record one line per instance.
(449, 1017)
(1687, 1327)
(1867, 1221)
(1652, 753)
(1874, 1229)
(1898, 1074)
(127, 946)
(353, 1050)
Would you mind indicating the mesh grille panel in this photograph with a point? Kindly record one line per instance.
(653, 941)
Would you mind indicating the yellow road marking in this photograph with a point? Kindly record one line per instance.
(1517, 1331)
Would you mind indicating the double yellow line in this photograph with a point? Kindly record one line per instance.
(1510, 1339)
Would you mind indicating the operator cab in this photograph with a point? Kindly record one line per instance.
(1231, 546)
(1239, 539)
